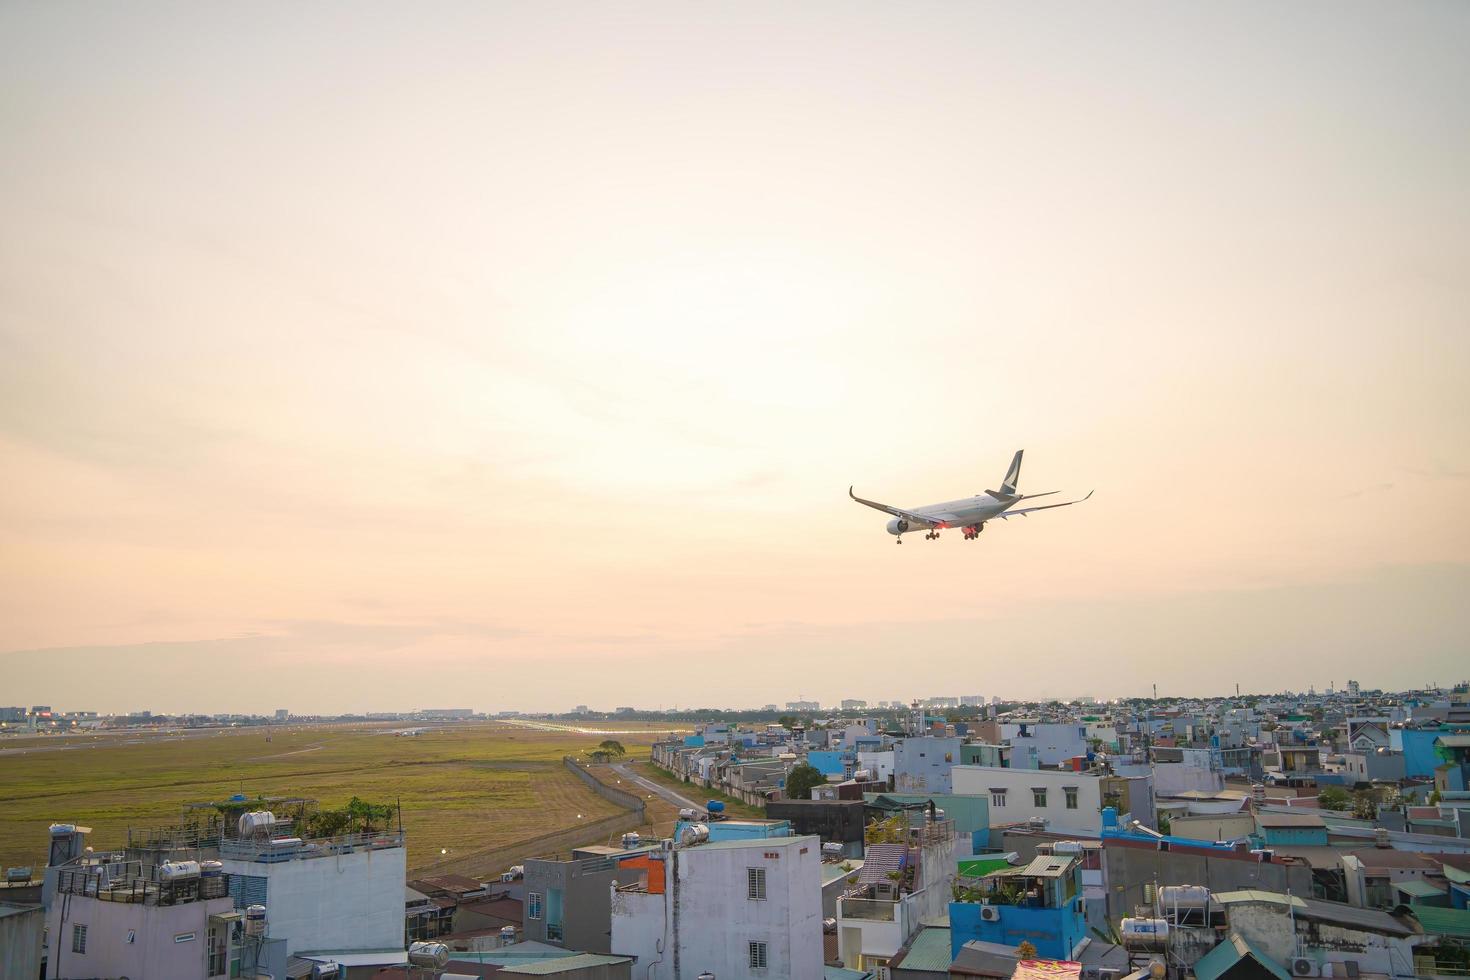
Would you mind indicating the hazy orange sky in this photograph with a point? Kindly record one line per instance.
(374, 356)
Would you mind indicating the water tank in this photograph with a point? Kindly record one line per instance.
(694, 833)
(832, 849)
(1037, 823)
(1380, 837)
(256, 821)
(1145, 933)
(434, 956)
(688, 813)
(325, 971)
(63, 829)
(631, 840)
(1184, 897)
(255, 921)
(715, 806)
(211, 869)
(863, 775)
(178, 870)
(518, 870)
(507, 935)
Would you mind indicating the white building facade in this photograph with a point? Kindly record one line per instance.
(1066, 800)
(746, 908)
(334, 898)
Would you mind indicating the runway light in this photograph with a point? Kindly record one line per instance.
(443, 850)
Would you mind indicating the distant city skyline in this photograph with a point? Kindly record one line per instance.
(527, 352)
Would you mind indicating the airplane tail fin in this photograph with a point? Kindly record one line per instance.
(1013, 475)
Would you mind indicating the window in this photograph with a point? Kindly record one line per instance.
(533, 905)
(78, 939)
(757, 956)
(997, 797)
(1038, 796)
(755, 885)
(1071, 793)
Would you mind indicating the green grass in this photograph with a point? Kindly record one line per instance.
(463, 788)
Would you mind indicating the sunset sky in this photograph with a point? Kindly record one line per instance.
(519, 355)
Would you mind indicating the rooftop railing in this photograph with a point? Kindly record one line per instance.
(278, 849)
(126, 883)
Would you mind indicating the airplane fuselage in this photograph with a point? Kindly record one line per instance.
(970, 511)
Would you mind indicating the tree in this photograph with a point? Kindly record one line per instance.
(788, 721)
(613, 748)
(1365, 805)
(801, 779)
(1333, 798)
(1025, 951)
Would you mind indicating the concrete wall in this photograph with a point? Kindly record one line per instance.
(1129, 867)
(1268, 926)
(160, 947)
(341, 903)
(624, 799)
(20, 941)
(923, 765)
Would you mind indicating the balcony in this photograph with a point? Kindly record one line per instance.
(870, 909)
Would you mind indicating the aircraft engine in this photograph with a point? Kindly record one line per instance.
(898, 526)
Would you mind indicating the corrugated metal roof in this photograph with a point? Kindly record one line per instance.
(1223, 958)
(1049, 866)
(1454, 741)
(879, 859)
(1419, 889)
(1443, 922)
(929, 950)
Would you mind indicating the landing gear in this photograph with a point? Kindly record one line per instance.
(932, 536)
(898, 540)
(973, 531)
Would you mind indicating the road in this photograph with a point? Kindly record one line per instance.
(680, 801)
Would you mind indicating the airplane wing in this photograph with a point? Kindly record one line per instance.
(1003, 515)
(918, 520)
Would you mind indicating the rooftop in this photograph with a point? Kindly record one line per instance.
(1284, 820)
(928, 950)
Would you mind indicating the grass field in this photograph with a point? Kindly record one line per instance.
(463, 787)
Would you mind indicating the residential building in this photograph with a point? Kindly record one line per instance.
(765, 896)
(854, 704)
(923, 765)
(337, 894)
(908, 868)
(1333, 939)
(833, 821)
(116, 920)
(568, 901)
(1055, 743)
(1040, 902)
(1065, 799)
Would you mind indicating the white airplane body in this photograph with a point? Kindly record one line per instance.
(969, 514)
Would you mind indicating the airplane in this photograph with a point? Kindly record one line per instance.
(968, 515)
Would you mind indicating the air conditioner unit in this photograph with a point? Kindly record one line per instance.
(1302, 967)
(989, 913)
